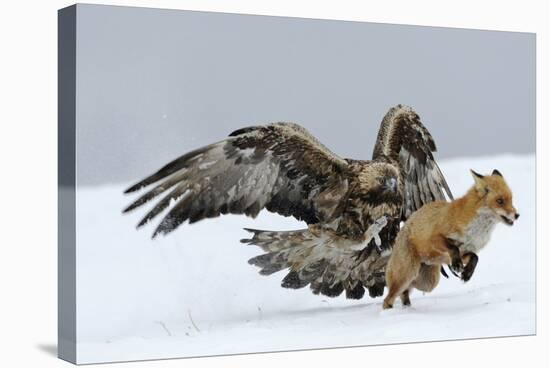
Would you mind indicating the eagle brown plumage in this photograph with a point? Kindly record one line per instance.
(353, 208)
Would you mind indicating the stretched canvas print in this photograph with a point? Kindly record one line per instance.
(236, 183)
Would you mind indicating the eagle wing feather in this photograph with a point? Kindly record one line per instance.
(280, 167)
(402, 137)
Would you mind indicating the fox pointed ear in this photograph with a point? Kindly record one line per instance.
(476, 175)
(480, 184)
(496, 172)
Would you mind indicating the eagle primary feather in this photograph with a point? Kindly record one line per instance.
(353, 208)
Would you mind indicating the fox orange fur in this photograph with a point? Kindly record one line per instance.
(450, 233)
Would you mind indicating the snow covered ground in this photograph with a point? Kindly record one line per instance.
(192, 293)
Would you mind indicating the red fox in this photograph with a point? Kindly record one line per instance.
(450, 233)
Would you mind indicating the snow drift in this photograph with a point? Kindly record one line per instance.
(192, 293)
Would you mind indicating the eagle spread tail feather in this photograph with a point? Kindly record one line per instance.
(317, 258)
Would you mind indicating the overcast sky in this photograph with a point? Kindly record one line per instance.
(153, 84)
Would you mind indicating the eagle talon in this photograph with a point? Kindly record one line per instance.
(381, 222)
(378, 243)
(374, 232)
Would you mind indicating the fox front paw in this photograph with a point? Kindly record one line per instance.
(457, 267)
(470, 267)
(466, 275)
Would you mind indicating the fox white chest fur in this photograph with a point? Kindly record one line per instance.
(478, 232)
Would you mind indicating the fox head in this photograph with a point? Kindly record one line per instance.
(497, 196)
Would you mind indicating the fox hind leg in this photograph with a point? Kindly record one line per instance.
(399, 282)
(405, 298)
(394, 291)
(402, 268)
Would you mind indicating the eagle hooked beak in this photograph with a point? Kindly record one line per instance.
(390, 184)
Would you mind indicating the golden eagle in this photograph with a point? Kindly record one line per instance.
(352, 208)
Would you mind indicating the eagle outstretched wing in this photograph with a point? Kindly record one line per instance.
(402, 137)
(280, 167)
(353, 208)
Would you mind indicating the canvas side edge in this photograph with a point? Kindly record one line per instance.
(66, 150)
